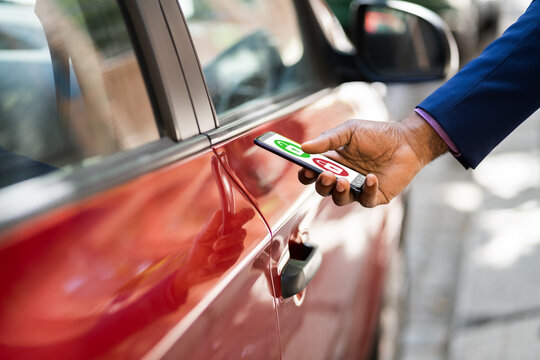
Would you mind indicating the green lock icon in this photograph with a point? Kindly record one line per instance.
(291, 148)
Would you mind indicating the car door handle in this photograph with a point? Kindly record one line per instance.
(302, 266)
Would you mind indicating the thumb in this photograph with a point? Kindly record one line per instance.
(331, 139)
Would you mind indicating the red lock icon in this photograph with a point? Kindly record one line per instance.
(330, 166)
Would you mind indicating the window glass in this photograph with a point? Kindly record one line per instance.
(71, 90)
(250, 50)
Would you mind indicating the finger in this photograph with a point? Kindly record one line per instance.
(230, 239)
(325, 183)
(222, 266)
(211, 228)
(306, 176)
(331, 139)
(238, 219)
(368, 197)
(342, 194)
(244, 215)
(232, 252)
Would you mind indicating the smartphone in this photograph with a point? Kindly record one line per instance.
(290, 150)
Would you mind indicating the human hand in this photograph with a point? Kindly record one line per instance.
(215, 250)
(391, 154)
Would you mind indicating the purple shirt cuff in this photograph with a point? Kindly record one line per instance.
(439, 130)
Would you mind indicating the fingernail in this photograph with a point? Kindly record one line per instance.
(340, 187)
(370, 181)
(309, 175)
(326, 181)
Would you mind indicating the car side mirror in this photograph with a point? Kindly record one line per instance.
(401, 41)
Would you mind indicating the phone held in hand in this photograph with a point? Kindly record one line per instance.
(290, 150)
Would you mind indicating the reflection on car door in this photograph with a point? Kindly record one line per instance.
(111, 275)
(141, 247)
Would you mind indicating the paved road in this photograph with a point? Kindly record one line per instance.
(473, 249)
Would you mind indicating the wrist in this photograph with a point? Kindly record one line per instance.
(422, 138)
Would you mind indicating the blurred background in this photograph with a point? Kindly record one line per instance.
(471, 254)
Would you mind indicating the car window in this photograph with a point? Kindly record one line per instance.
(250, 50)
(71, 90)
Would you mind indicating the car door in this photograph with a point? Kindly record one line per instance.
(265, 71)
(121, 233)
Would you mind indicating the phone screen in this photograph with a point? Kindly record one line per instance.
(292, 151)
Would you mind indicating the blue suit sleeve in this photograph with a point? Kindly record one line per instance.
(494, 93)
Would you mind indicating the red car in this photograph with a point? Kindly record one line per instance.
(138, 218)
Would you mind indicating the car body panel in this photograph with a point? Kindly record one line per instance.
(338, 311)
(111, 275)
(335, 316)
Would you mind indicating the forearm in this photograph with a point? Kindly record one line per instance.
(493, 93)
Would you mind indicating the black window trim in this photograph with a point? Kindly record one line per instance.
(191, 67)
(164, 71)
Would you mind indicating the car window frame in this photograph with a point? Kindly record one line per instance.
(180, 136)
(245, 118)
(191, 66)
